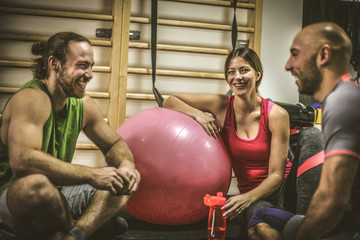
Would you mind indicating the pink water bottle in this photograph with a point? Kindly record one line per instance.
(216, 221)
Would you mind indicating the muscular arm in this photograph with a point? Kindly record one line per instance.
(116, 151)
(341, 136)
(195, 106)
(28, 111)
(328, 204)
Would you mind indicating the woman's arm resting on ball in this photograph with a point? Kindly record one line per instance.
(196, 107)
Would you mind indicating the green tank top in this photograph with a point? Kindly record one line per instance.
(59, 134)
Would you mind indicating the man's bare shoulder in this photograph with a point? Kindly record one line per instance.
(29, 102)
(89, 105)
(88, 100)
(92, 112)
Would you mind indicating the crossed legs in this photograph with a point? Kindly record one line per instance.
(102, 208)
(39, 205)
(42, 209)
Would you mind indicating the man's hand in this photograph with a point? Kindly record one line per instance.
(117, 181)
(131, 179)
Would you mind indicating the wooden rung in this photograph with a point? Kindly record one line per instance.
(107, 43)
(178, 23)
(218, 3)
(179, 48)
(103, 69)
(53, 13)
(33, 38)
(24, 64)
(105, 119)
(142, 96)
(104, 95)
(86, 146)
(177, 73)
(100, 43)
(8, 90)
(106, 69)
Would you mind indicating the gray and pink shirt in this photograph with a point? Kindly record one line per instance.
(341, 130)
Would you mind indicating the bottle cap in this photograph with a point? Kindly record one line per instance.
(218, 200)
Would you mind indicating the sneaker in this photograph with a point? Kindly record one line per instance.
(114, 227)
(74, 234)
(77, 234)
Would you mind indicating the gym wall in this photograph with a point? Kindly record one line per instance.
(193, 40)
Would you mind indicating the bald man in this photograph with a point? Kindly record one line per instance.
(320, 61)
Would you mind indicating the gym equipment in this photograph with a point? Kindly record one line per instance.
(179, 163)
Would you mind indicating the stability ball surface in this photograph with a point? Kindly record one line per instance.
(178, 162)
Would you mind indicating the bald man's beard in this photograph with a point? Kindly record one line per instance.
(310, 78)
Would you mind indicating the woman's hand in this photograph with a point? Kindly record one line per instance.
(237, 204)
(209, 123)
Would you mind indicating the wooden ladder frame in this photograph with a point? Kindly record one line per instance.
(119, 43)
(117, 94)
(253, 31)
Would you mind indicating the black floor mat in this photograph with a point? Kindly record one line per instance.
(143, 230)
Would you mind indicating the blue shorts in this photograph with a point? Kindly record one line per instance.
(276, 218)
(77, 197)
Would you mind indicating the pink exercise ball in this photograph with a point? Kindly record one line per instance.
(178, 162)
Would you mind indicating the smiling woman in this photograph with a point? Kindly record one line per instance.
(254, 130)
(251, 62)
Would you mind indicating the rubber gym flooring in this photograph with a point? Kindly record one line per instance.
(197, 231)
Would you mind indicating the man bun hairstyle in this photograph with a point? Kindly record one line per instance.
(57, 46)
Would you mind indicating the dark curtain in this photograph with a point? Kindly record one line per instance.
(346, 13)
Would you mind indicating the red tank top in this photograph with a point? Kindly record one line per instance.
(249, 157)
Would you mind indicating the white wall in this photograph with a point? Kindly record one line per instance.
(281, 20)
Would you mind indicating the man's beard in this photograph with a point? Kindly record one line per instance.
(67, 86)
(310, 82)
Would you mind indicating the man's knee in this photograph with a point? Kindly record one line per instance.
(41, 190)
(35, 190)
